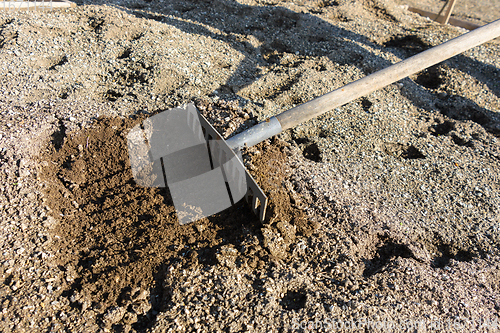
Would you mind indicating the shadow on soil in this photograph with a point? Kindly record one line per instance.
(386, 250)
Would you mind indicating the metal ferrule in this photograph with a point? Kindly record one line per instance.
(258, 133)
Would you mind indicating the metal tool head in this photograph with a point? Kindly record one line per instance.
(181, 149)
(254, 195)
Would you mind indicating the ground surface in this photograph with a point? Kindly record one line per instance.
(477, 11)
(384, 210)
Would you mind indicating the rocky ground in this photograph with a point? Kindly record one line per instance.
(384, 213)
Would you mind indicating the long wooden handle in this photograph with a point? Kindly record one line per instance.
(446, 16)
(452, 21)
(384, 77)
(23, 5)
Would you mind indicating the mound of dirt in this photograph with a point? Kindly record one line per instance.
(115, 239)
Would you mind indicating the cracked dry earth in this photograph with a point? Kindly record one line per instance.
(384, 213)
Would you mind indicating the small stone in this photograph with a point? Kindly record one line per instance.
(114, 315)
(130, 318)
(86, 304)
(200, 227)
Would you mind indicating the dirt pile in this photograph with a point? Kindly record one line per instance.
(112, 237)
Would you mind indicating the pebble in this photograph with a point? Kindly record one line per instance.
(114, 315)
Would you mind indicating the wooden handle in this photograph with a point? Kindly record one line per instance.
(23, 5)
(453, 21)
(446, 16)
(384, 77)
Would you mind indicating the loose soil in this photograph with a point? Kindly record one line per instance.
(115, 240)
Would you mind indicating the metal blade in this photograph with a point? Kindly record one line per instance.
(179, 148)
(254, 194)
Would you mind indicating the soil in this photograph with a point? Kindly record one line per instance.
(116, 240)
(383, 213)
